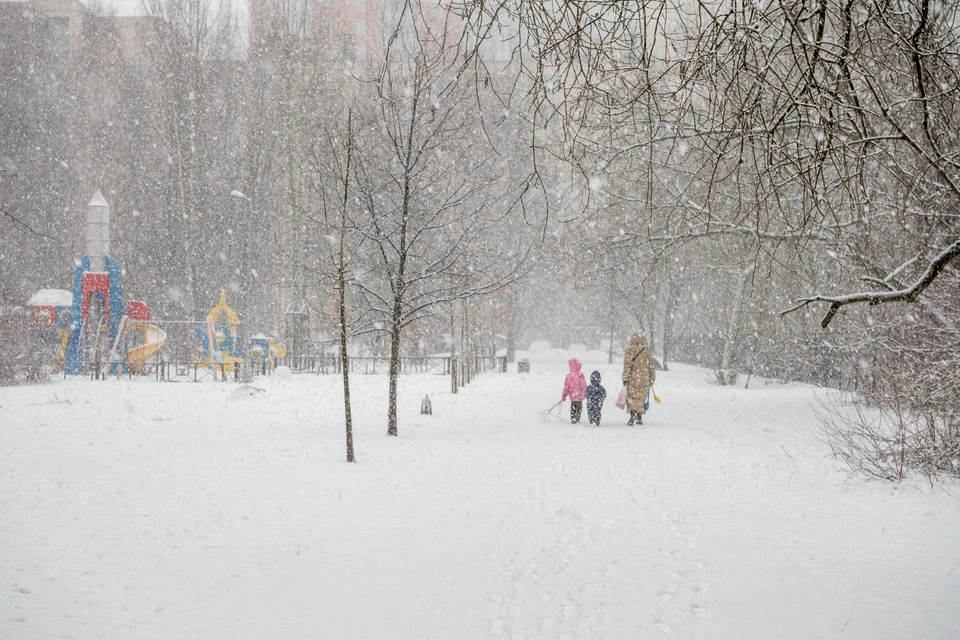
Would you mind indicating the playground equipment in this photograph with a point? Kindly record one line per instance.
(220, 343)
(51, 316)
(222, 330)
(96, 330)
(136, 343)
(266, 349)
(94, 324)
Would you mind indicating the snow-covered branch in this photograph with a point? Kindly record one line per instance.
(908, 294)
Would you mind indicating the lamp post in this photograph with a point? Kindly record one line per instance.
(246, 312)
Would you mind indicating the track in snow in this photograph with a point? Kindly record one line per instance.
(137, 510)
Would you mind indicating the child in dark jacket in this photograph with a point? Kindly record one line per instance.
(595, 396)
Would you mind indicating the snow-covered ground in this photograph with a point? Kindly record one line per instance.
(136, 509)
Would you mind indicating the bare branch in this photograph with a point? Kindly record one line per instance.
(23, 226)
(908, 294)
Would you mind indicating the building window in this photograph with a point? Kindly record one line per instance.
(359, 28)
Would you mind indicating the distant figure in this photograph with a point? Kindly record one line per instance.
(575, 386)
(426, 407)
(596, 394)
(639, 373)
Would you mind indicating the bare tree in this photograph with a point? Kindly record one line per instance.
(341, 242)
(805, 124)
(427, 204)
(332, 172)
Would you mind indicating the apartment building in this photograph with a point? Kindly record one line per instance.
(350, 27)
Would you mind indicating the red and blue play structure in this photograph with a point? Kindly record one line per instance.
(87, 285)
(97, 305)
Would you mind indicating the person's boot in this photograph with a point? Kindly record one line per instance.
(633, 415)
(639, 418)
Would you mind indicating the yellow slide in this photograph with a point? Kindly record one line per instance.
(62, 350)
(153, 338)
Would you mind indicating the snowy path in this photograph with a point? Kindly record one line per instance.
(143, 510)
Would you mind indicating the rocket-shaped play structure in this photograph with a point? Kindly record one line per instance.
(99, 320)
(97, 332)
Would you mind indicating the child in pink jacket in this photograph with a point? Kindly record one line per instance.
(575, 386)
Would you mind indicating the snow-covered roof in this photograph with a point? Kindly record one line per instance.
(51, 298)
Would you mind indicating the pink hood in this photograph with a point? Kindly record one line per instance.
(574, 385)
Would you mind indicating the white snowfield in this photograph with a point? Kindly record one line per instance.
(137, 509)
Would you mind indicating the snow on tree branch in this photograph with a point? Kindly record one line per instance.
(908, 294)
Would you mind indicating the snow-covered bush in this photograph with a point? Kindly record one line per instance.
(890, 442)
(906, 412)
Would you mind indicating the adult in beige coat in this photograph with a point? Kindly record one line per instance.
(639, 372)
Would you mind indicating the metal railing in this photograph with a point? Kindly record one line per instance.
(193, 371)
(372, 365)
(168, 370)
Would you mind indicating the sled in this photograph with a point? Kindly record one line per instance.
(556, 411)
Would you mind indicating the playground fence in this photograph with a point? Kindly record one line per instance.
(371, 365)
(165, 371)
(192, 371)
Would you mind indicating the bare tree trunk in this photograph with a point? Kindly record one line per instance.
(394, 369)
(348, 419)
(726, 377)
(467, 369)
(342, 290)
(463, 343)
(512, 331)
(610, 320)
(668, 320)
(453, 351)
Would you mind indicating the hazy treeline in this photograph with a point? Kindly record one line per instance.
(686, 173)
(169, 115)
